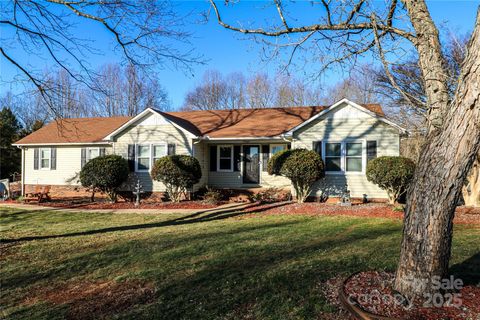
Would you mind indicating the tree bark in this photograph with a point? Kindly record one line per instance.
(444, 164)
(431, 61)
(471, 190)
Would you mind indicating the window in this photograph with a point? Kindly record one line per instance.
(371, 150)
(274, 148)
(333, 157)
(354, 156)
(45, 157)
(159, 151)
(225, 158)
(143, 157)
(92, 153)
(346, 156)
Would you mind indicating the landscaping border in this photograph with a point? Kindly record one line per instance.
(354, 308)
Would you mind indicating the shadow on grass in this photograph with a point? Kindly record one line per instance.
(468, 270)
(200, 216)
(235, 278)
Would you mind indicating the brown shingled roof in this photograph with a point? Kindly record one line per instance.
(75, 130)
(268, 122)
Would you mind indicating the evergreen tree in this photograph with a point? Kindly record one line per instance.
(10, 157)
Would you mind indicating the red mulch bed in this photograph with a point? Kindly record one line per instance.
(84, 204)
(463, 215)
(373, 291)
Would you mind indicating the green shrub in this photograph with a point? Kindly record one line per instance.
(303, 167)
(213, 196)
(105, 174)
(393, 174)
(178, 173)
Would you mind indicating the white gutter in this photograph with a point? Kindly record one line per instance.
(241, 138)
(60, 144)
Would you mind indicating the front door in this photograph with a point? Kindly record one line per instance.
(251, 164)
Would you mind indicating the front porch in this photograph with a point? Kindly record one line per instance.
(240, 164)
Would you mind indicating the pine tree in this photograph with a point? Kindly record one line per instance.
(10, 157)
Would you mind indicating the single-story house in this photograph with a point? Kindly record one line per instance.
(232, 146)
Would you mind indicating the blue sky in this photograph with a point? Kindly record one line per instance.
(227, 51)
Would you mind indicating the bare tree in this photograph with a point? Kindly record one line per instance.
(359, 86)
(260, 91)
(126, 91)
(408, 77)
(235, 91)
(146, 33)
(349, 29)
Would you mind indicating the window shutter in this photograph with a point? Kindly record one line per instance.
(35, 158)
(101, 152)
(317, 147)
(131, 157)
(265, 156)
(53, 156)
(213, 158)
(236, 158)
(371, 150)
(83, 157)
(171, 149)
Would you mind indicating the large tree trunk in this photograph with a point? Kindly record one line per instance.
(431, 61)
(471, 190)
(444, 163)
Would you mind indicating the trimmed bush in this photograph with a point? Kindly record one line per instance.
(178, 173)
(392, 174)
(303, 167)
(105, 174)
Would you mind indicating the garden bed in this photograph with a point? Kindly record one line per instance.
(104, 204)
(370, 295)
(463, 215)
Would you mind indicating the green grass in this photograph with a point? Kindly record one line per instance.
(209, 267)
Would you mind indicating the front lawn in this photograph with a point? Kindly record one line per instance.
(171, 266)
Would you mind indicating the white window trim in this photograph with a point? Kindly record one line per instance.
(87, 158)
(343, 156)
(231, 157)
(150, 162)
(277, 145)
(49, 159)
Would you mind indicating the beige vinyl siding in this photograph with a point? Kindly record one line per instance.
(200, 151)
(68, 165)
(152, 131)
(347, 124)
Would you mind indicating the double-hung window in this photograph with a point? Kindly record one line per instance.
(275, 148)
(45, 158)
(147, 154)
(333, 156)
(353, 156)
(143, 157)
(225, 158)
(92, 153)
(159, 150)
(345, 156)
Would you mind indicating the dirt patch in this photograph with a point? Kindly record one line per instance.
(67, 204)
(93, 300)
(373, 291)
(463, 215)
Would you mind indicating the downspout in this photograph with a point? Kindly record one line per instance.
(23, 172)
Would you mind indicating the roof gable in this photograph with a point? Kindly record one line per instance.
(372, 110)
